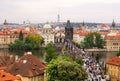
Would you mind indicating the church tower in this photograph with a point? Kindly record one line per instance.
(5, 24)
(113, 27)
(68, 31)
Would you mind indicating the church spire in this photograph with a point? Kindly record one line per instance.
(83, 24)
(113, 24)
(5, 22)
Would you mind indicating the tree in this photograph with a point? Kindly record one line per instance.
(93, 40)
(79, 61)
(65, 69)
(20, 35)
(50, 52)
(34, 40)
(99, 41)
(17, 45)
(118, 53)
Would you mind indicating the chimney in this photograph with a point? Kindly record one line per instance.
(16, 57)
(29, 53)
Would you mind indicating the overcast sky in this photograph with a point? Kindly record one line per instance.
(17, 11)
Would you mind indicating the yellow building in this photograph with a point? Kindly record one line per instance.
(112, 42)
(113, 68)
(6, 39)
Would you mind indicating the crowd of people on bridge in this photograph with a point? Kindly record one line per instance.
(90, 64)
(92, 67)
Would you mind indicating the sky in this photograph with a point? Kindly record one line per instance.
(37, 11)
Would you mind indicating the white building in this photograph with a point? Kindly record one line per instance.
(47, 32)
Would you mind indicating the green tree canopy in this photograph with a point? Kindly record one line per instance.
(20, 35)
(50, 52)
(118, 53)
(93, 40)
(65, 69)
(34, 40)
(79, 60)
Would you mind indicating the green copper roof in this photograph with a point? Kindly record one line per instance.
(47, 26)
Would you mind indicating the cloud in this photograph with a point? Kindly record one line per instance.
(47, 10)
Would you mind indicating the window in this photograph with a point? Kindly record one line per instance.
(115, 43)
(3, 75)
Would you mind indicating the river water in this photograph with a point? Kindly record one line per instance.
(6, 52)
(103, 57)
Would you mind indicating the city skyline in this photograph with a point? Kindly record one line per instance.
(36, 11)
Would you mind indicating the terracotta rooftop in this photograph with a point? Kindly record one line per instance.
(27, 66)
(4, 76)
(6, 60)
(114, 61)
(81, 33)
(112, 37)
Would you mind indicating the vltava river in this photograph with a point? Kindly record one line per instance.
(103, 56)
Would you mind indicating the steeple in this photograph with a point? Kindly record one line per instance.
(113, 24)
(5, 22)
(83, 24)
(113, 28)
(68, 25)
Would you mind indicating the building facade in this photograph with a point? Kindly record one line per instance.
(47, 32)
(113, 68)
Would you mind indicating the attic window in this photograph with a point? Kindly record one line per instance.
(3, 75)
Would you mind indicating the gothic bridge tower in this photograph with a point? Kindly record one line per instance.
(68, 31)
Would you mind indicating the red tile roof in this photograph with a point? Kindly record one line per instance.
(114, 61)
(4, 76)
(112, 37)
(81, 33)
(27, 66)
(6, 60)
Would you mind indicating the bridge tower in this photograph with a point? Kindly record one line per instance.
(68, 31)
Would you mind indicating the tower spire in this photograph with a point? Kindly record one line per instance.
(113, 24)
(5, 22)
(83, 24)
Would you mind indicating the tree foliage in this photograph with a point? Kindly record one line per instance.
(50, 52)
(20, 35)
(65, 69)
(79, 61)
(93, 40)
(32, 41)
(118, 53)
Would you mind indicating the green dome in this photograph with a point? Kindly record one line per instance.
(47, 26)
